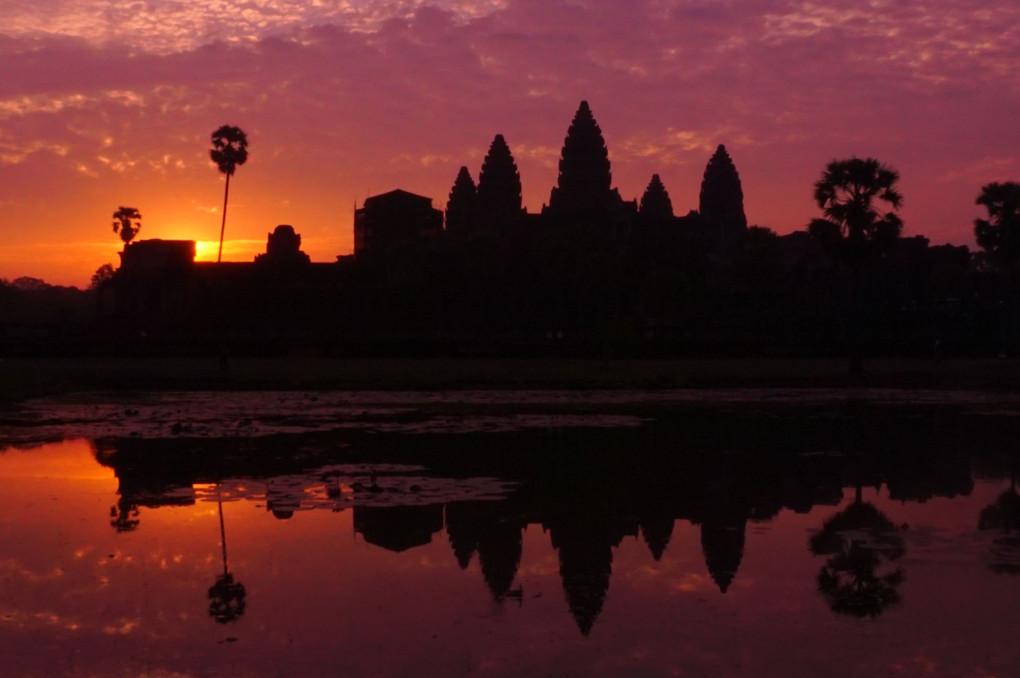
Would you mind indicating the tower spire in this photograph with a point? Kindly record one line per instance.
(584, 184)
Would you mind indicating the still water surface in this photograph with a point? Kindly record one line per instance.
(671, 539)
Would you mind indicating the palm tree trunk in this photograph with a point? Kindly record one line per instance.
(223, 224)
(856, 318)
(223, 531)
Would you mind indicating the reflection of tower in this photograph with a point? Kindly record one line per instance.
(500, 554)
(282, 497)
(585, 567)
(463, 525)
(722, 541)
(585, 544)
(398, 528)
(656, 530)
(723, 516)
(494, 529)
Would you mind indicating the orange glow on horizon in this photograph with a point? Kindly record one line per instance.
(67, 460)
(233, 250)
(136, 132)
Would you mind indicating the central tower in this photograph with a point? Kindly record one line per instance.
(583, 189)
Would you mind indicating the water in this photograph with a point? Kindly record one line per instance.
(502, 535)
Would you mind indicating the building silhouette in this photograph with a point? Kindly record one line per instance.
(721, 201)
(394, 218)
(583, 190)
(591, 273)
(499, 201)
(283, 248)
(462, 205)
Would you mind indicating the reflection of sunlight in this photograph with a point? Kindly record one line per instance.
(18, 619)
(691, 582)
(126, 626)
(68, 459)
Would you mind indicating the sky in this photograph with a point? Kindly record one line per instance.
(112, 103)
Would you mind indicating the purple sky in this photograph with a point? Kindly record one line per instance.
(105, 104)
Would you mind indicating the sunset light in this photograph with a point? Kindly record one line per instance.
(346, 100)
(233, 250)
(502, 338)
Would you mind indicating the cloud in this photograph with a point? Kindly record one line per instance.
(345, 98)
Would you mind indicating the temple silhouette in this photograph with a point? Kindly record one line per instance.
(590, 273)
(588, 491)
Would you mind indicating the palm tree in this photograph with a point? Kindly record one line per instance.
(230, 149)
(999, 237)
(127, 221)
(854, 229)
(999, 234)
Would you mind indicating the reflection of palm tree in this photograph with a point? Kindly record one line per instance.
(226, 596)
(230, 149)
(860, 540)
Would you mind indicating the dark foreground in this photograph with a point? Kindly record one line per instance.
(24, 377)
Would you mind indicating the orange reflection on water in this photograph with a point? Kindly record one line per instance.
(424, 590)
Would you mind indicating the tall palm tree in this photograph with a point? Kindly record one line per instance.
(854, 227)
(999, 234)
(230, 150)
(127, 221)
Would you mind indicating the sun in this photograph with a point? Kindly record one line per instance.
(205, 250)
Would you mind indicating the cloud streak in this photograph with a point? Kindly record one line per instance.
(114, 102)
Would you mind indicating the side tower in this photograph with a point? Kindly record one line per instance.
(499, 199)
(461, 207)
(722, 200)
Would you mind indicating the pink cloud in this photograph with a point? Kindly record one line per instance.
(349, 99)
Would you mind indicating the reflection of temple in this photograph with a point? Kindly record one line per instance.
(722, 540)
(588, 490)
(585, 543)
(492, 529)
(398, 528)
(1002, 518)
